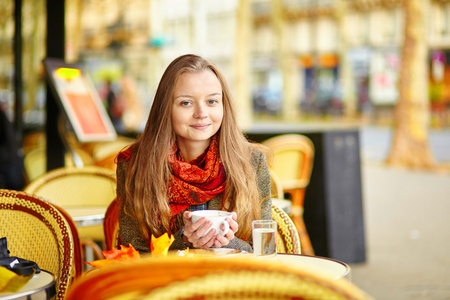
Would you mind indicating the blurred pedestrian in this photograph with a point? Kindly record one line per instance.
(11, 158)
(115, 107)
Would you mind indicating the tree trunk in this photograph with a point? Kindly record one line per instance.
(243, 97)
(346, 78)
(410, 147)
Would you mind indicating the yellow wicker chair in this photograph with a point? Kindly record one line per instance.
(293, 162)
(288, 240)
(70, 187)
(209, 278)
(36, 230)
(35, 162)
(104, 154)
(33, 140)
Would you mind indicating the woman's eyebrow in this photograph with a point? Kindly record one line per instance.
(183, 96)
(189, 96)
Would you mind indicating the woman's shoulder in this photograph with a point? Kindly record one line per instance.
(125, 155)
(259, 151)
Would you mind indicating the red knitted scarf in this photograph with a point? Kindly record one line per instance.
(192, 182)
(197, 181)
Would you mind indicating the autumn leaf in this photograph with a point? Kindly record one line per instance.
(160, 246)
(115, 255)
(123, 252)
(11, 282)
(102, 262)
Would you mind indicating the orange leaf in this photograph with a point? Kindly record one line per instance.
(102, 262)
(115, 255)
(160, 246)
(123, 252)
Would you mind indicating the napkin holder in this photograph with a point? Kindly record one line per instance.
(16, 264)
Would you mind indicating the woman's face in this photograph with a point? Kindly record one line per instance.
(197, 110)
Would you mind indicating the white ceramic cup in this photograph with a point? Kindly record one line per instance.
(216, 216)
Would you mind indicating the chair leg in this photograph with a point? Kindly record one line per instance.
(297, 196)
(95, 248)
(305, 242)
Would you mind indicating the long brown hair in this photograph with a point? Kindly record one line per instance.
(149, 170)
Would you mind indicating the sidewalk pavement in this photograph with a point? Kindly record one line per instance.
(407, 223)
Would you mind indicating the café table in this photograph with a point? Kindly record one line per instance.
(40, 286)
(330, 267)
(87, 216)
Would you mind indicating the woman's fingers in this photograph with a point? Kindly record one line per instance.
(195, 231)
(205, 242)
(233, 224)
(221, 241)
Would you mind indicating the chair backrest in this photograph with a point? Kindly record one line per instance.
(209, 278)
(111, 226)
(105, 149)
(104, 154)
(37, 230)
(35, 161)
(293, 159)
(288, 240)
(276, 187)
(75, 187)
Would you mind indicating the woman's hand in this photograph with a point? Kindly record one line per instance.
(193, 231)
(220, 240)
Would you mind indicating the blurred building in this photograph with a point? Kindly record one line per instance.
(282, 57)
(320, 36)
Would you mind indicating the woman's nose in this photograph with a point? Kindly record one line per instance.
(200, 112)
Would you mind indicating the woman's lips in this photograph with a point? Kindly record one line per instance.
(200, 126)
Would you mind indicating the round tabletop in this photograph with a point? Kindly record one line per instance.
(328, 266)
(87, 216)
(40, 286)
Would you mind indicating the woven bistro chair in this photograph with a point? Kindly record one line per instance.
(238, 277)
(111, 226)
(71, 188)
(38, 230)
(293, 157)
(35, 162)
(105, 153)
(288, 240)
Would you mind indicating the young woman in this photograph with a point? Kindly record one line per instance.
(190, 156)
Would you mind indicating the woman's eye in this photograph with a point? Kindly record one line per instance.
(185, 103)
(212, 101)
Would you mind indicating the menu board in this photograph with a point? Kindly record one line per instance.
(80, 101)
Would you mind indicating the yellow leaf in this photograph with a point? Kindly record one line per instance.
(10, 281)
(160, 246)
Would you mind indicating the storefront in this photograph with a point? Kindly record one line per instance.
(321, 86)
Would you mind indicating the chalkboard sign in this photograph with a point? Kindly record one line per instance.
(79, 100)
